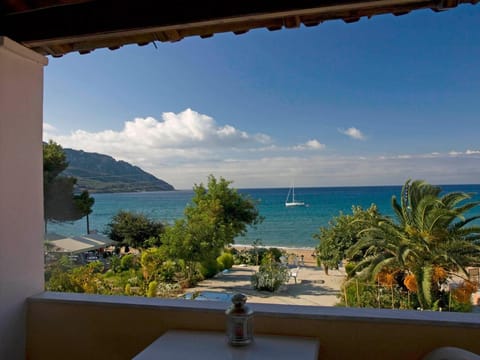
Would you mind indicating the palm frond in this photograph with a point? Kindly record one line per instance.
(379, 265)
(425, 283)
(461, 224)
(467, 207)
(452, 199)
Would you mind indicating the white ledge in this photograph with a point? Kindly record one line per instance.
(271, 310)
(6, 44)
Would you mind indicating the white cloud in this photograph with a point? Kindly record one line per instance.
(467, 152)
(188, 134)
(472, 152)
(354, 133)
(455, 153)
(278, 171)
(310, 145)
(314, 144)
(185, 148)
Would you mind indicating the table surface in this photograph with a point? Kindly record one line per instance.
(184, 345)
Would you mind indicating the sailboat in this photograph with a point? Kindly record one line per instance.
(293, 202)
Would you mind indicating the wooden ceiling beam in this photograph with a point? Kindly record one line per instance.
(292, 22)
(87, 25)
(10, 7)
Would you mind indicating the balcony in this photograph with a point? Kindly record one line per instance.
(78, 326)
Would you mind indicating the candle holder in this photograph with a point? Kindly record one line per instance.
(239, 322)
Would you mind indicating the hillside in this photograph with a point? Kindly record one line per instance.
(102, 173)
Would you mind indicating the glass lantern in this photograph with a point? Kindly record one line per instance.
(239, 322)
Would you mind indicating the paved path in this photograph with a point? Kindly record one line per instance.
(313, 287)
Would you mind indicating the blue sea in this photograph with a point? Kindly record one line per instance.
(282, 226)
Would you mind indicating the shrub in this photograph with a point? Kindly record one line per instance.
(349, 269)
(360, 294)
(242, 257)
(169, 290)
(276, 253)
(152, 289)
(209, 268)
(459, 306)
(225, 261)
(168, 270)
(115, 263)
(127, 262)
(128, 289)
(258, 254)
(271, 275)
(255, 255)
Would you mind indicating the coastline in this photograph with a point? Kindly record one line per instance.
(307, 252)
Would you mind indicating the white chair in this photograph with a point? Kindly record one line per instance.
(451, 353)
(294, 273)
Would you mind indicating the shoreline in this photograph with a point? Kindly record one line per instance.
(247, 246)
(307, 253)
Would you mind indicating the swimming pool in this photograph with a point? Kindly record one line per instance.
(208, 296)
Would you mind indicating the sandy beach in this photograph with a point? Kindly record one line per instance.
(307, 253)
(312, 286)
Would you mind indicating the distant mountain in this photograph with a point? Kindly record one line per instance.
(102, 173)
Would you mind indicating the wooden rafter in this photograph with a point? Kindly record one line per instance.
(56, 27)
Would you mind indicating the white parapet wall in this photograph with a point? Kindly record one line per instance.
(120, 327)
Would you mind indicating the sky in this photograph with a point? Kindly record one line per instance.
(369, 103)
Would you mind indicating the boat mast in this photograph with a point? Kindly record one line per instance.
(288, 195)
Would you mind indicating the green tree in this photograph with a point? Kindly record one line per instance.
(59, 202)
(54, 161)
(233, 211)
(194, 241)
(134, 229)
(84, 203)
(341, 233)
(151, 263)
(216, 216)
(431, 235)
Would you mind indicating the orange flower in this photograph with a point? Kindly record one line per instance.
(386, 278)
(464, 291)
(439, 274)
(470, 287)
(411, 283)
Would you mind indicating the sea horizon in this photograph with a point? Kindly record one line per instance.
(289, 227)
(310, 187)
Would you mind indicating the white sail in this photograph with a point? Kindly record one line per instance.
(292, 201)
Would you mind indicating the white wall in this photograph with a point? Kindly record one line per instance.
(21, 190)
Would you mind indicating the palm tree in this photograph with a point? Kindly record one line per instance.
(430, 234)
